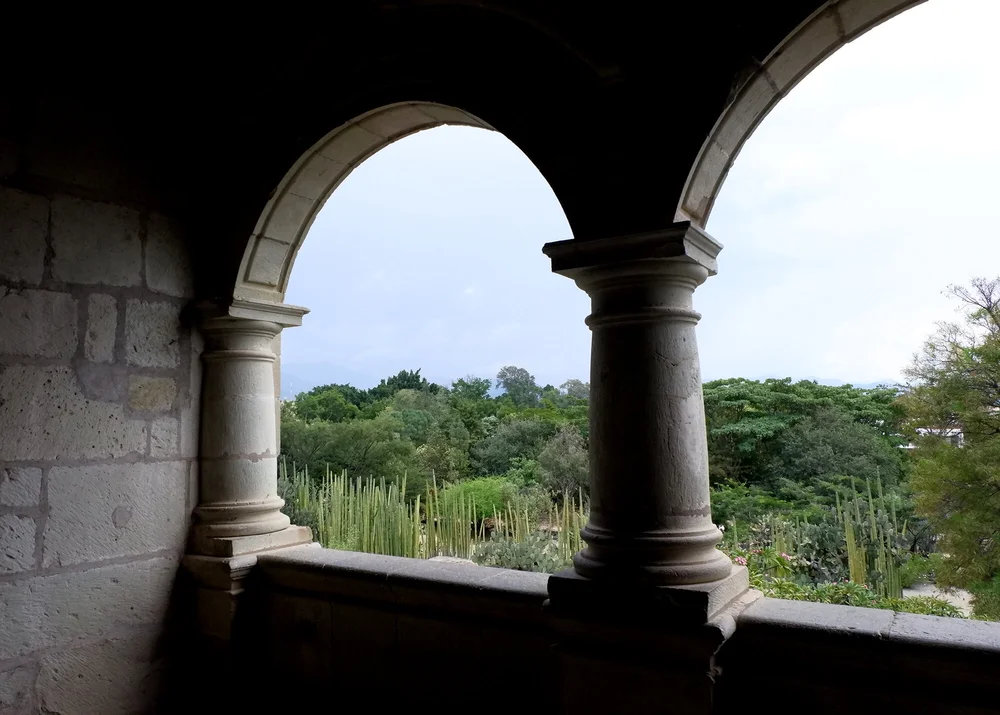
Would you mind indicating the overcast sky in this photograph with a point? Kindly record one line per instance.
(862, 195)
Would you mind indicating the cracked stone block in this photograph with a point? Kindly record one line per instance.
(37, 323)
(163, 438)
(43, 612)
(95, 243)
(111, 510)
(16, 686)
(151, 394)
(44, 415)
(152, 334)
(102, 324)
(20, 486)
(24, 222)
(17, 537)
(168, 265)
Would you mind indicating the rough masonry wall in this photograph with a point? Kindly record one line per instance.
(99, 384)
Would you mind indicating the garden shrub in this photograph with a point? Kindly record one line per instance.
(487, 493)
(847, 593)
(918, 568)
(537, 552)
(986, 599)
(535, 501)
(293, 509)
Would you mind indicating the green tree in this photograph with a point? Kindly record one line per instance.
(471, 387)
(470, 399)
(403, 380)
(512, 439)
(363, 447)
(954, 384)
(519, 385)
(747, 418)
(954, 381)
(829, 444)
(576, 389)
(325, 403)
(563, 463)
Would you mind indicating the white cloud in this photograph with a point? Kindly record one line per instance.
(863, 194)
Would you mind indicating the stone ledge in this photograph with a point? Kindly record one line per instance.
(848, 649)
(393, 581)
(666, 606)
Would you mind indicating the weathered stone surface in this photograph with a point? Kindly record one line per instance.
(44, 415)
(163, 438)
(151, 394)
(110, 510)
(49, 611)
(20, 486)
(269, 260)
(16, 687)
(95, 243)
(17, 534)
(190, 426)
(152, 334)
(168, 265)
(102, 323)
(106, 382)
(23, 224)
(37, 323)
(120, 675)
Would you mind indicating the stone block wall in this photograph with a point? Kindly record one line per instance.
(99, 387)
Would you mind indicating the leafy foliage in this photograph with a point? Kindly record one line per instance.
(955, 385)
(488, 495)
(519, 385)
(786, 460)
(986, 599)
(563, 463)
(747, 419)
(512, 439)
(536, 552)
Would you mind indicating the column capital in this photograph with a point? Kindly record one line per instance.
(241, 309)
(679, 243)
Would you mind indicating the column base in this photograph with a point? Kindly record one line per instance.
(650, 605)
(204, 544)
(634, 649)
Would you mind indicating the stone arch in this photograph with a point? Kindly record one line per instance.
(288, 215)
(828, 29)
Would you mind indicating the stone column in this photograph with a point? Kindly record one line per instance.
(239, 511)
(650, 530)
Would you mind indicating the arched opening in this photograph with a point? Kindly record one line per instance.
(842, 221)
(429, 257)
(827, 30)
(457, 362)
(285, 221)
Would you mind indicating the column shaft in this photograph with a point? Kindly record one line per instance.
(650, 519)
(238, 502)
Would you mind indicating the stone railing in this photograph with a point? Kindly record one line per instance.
(819, 658)
(351, 629)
